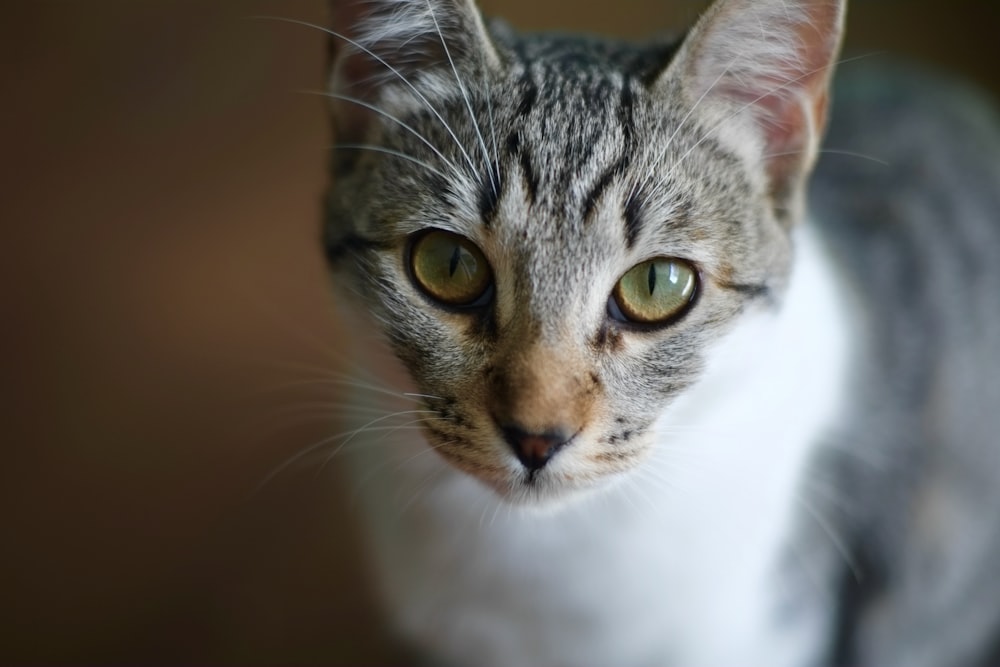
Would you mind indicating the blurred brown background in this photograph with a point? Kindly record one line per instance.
(160, 184)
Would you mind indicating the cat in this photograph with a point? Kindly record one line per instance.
(670, 395)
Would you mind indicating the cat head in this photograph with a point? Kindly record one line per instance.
(551, 233)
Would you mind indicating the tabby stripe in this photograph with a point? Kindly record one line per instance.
(626, 113)
(633, 217)
(527, 102)
(489, 199)
(515, 148)
(749, 290)
(616, 170)
(626, 109)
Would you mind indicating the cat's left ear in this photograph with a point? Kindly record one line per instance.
(377, 45)
(763, 67)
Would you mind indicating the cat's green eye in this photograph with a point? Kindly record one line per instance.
(654, 291)
(450, 268)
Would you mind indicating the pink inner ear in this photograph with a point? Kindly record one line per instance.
(778, 114)
(787, 120)
(789, 132)
(773, 58)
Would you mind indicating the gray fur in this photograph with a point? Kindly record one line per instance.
(919, 462)
(545, 164)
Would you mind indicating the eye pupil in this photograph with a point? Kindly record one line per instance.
(652, 278)
(453, 264)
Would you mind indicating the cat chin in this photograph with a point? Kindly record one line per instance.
(547, 499)
(546, 494)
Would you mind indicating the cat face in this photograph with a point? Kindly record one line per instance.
(552, 235)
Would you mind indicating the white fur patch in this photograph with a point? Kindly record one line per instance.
(677, 564)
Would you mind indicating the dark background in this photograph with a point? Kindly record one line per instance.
(159, 199)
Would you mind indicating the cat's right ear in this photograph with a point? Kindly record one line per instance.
(376, 45)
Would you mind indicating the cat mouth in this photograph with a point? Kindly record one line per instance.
(519, 485)
(510, 478)
(540, 488)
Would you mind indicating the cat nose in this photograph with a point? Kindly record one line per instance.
(534, 450)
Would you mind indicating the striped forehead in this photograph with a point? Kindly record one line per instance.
(572, 133)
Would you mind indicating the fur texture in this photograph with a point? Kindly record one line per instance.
(705, 509)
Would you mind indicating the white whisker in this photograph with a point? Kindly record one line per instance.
(465, 96)
(833, 151)
(409, 393)
(493, 132)
(420, 489)
(323, 442)
(389, 67)
(367, 428)
(392, 152)
(835, 538)
(680, 126)
(711, 132)
(353, 100)
(334, 379)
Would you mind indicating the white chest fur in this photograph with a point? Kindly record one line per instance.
(677, 564)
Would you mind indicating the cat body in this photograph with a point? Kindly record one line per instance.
(793, 464)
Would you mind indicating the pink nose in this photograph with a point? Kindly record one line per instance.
(534, 450)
